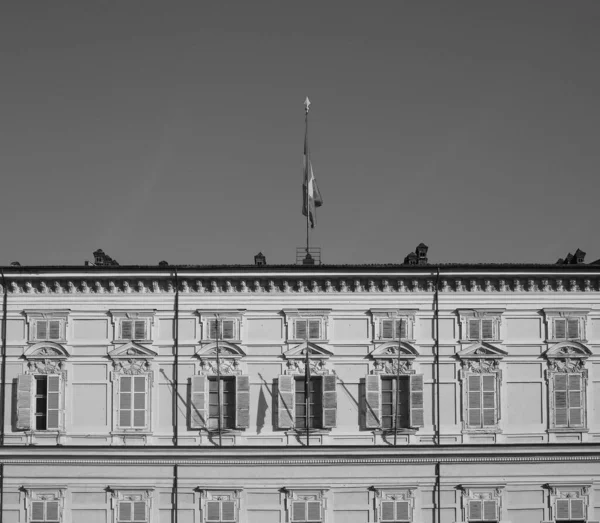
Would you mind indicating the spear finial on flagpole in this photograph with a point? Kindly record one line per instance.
(306, 105)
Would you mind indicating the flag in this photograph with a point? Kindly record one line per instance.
(311, 195)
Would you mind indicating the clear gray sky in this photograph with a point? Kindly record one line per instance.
(174, 130)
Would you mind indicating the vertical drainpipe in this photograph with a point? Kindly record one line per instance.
(175, 490)
(3, 370)
(438, 485)
(176, 366)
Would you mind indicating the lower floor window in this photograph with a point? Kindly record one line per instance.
(131, 511)
(44, 511)
(306, 511)
(312, 418)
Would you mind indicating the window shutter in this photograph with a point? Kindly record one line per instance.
(489, 510)
(562, 509)
(474, 401)
(329, 403)
(125, 510)
(402, 511)
(416, 400)
(387, 329)
(487, 329)
(213, 510)
(313, 511)
(227, 327)
(228, 509)
(561, 418)
(53, 403)
(475, 510)
(25, 392)
(577, 509)
(54, 330)
(286, 405)
(37, 511)
(139, 511)
(387, 511)
(140, 330)
(126, 329)
(372, 401)
(573, 329)
(242, 402)
(314, 329)
(198, 397)
(560, 329)
(474, 333)
(125, 401)
(298, 511)
(51, 510)
(212, 329)
(41, 330)
(139, 401)
(401, 329)
(300, 332)
(489, 400)
(575, 403)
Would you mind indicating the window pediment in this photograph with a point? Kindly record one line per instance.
(226, 350)
(132, 350)
(568, 349)
(315, 352)
(46, 350)
(482, 351)
(395, 350)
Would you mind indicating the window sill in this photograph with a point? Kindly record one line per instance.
(567, 430)
(387, 432)
(228, 432)
(132, 341)
(302, 432)
(491, 430)
(130, 432)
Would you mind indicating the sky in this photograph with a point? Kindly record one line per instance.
(174, 130)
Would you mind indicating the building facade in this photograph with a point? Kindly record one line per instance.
(450, 393)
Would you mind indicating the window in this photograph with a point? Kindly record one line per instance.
(306, 511)
(44, 511)
(480, 324)
(233, 392)
(44, 505)
(569, 501)
(566, 329)
(307, 329)
(568, 400)
(570, 510)
(381, 394)
(482, 400)
(129, 510)
(39, 401)
(305, 505)
(132, 505)
(395, 511)
(483, 510)
(394, 505)
(393, 329)
(48, 330)
(482, 503)
(322, 396)
(566, 324)
(133, 402)
(226, 330)
(481, 329)
(220, 506)
(134, 330)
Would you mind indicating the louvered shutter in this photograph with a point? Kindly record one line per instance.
(41, 330)
(387, 511)
(53, 402)
(140, 330)
(139, 511)
(474, 333)
(562, 509)
(139, 401)
(25, 392)
(300, 329)
(372, 401)
(387, 329)
(228, 511)
(489, 400)
(51, 511)
(198, 396)
(577, 509)
(227, 328)
(213, 511)
(561, 417)
(54, 330)
(37, 510)
(125, 401)
(329, 402)
(573, 329)
(314, 329)
(575, 400)
(242, 402)
(126, 329)
(286, 411)
(401, 331)
(298, 511)
(402, 511)
(487, 329)
(212, 329)
(489, 510)
(416, 400)
(475, 510)
(474, 401)
(560, 329)
(125, 512)
(313, 511)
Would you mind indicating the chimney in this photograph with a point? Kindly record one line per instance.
(260, 259)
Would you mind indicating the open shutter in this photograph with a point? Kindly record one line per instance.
(228, 511)
(37, 510)
(387, 329)
(51, 510)
(242, 402)
(41, 330)
(489, 510)
(25, 392)
(126, 329)
(300, 329)
(372, 401)
(474, 333)
(329, 403)
(198, 397)
(125, 512)
(489, 400)
(573, 329)
(577, 509)
(416, 400)
(313, 511)
(285, 402)
(401, 331)
(560, 329)
(561, 417)
(140, 330)
(54, 330)
(475, 510)
(562, 509)
(474, 401)
(53, 402)
(575, 400)
(139, 511)
(227, 327)
(487, 329)
(314, 329)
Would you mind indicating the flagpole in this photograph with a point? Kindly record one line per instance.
(307, 388)
(397, 406)
(306, 168)
(218, 381)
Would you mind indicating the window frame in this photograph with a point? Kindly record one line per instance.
(481, 368)
(399, 317)
(483, 493)
(306, 495)
(394, 494)
(28, 404)
(318, 394)
(466, 316)
(216, 379)
(567, 315)
(569, 491)
(40, 494)
(33, 317)
(294, 316)
(132, 495)
(118, 317)
(209, 495)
